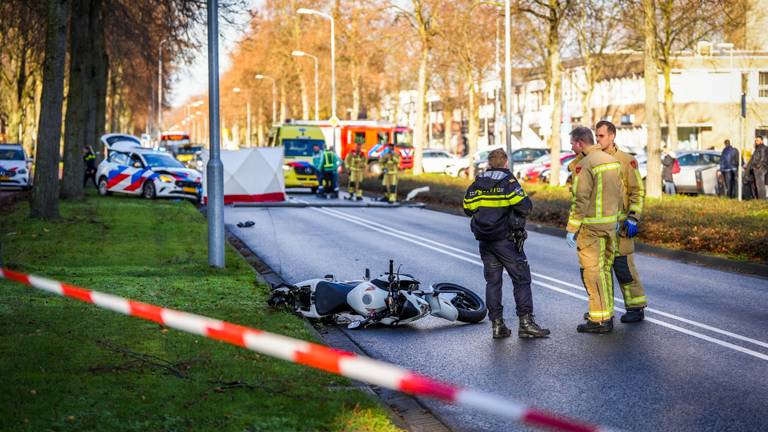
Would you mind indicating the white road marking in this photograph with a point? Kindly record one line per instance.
(468, 257)
(562, 282)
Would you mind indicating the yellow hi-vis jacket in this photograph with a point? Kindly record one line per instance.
(634, 190)
(597, 192)
(356, 162)
(391, 162)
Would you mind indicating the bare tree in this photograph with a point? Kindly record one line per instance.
(596, 25)
(423, 19)
(45, 193)
(552, 14)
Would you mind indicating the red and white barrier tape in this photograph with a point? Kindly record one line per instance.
(309, 354)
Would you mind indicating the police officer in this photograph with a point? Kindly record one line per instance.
(355, 163)
(498, 206)
(329, 166)
(594, 213)
(89, 160)
(390, 164)
(629, 217)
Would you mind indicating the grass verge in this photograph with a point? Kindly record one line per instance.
(702, 224)
(69, 366)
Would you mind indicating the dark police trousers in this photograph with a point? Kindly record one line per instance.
(496, 256)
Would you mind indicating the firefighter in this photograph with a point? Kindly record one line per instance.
(329, 167)
(594, 213)
(498, 206)
(390, 164)
(355, 163)
(629, 217)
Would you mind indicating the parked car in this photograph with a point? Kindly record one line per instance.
(459, 167)
(436, 161)
(523, 159)
(14, 167)
(689, 162)
(151, 174)
(543, 163)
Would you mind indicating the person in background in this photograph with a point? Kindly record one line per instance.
(317, 157)
(758, 166)
(729, 162)
(668, 164)
(89, 162)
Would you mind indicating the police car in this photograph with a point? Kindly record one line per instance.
(14, 167)
(134, 170)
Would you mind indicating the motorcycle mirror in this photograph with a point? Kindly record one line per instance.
(353, 325)
(367, 274)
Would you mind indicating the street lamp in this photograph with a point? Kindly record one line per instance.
(303, 54)
(247, 118)
(160, 84)
(334, 119)
(274, 95)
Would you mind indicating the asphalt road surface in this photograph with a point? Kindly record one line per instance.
(698, 362)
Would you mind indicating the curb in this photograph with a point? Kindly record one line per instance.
(405, 411)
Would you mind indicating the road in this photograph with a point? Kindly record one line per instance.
(698, 362)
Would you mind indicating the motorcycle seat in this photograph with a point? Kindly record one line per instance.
(331, 297)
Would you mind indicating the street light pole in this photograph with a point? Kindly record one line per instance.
(317, 105)
(274, 95)
(160, 85)
(215, 169)
(334, 119)
(507, 83)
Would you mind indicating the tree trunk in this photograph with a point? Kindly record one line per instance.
(45, 194)
(101, 71)
(283, 102)
(304, 96)
(653, 179)
(447, 125)
(473, 115)
(354, 70)
(260, 126)
(77, 100)
(555, 97)
(669, 108)
(421, 93)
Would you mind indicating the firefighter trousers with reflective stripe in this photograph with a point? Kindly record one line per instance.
(355, 183)
(497, 256)
(596, 252)
(390, 187)
(626, 274)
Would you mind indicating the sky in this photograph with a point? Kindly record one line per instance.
(192, 80)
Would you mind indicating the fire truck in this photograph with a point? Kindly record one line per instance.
(373, 135)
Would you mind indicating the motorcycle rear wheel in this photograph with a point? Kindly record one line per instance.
(471, 306)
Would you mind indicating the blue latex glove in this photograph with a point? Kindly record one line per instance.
(630, 225)
(570, 238)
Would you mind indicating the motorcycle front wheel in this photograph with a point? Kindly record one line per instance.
(471, 306)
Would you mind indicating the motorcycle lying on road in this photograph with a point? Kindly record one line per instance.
(391, 299)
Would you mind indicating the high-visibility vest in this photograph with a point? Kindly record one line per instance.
(328, 164)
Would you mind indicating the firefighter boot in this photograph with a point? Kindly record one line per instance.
(529, 328)
(633, 315)
(500, 330)
(596, 327)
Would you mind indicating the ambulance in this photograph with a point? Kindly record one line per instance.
(298, 143)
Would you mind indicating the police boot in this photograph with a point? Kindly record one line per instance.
(529, 328)
(500, 330)
(633, 315)
(596, 327)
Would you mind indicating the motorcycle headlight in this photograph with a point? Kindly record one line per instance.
(166, 179)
